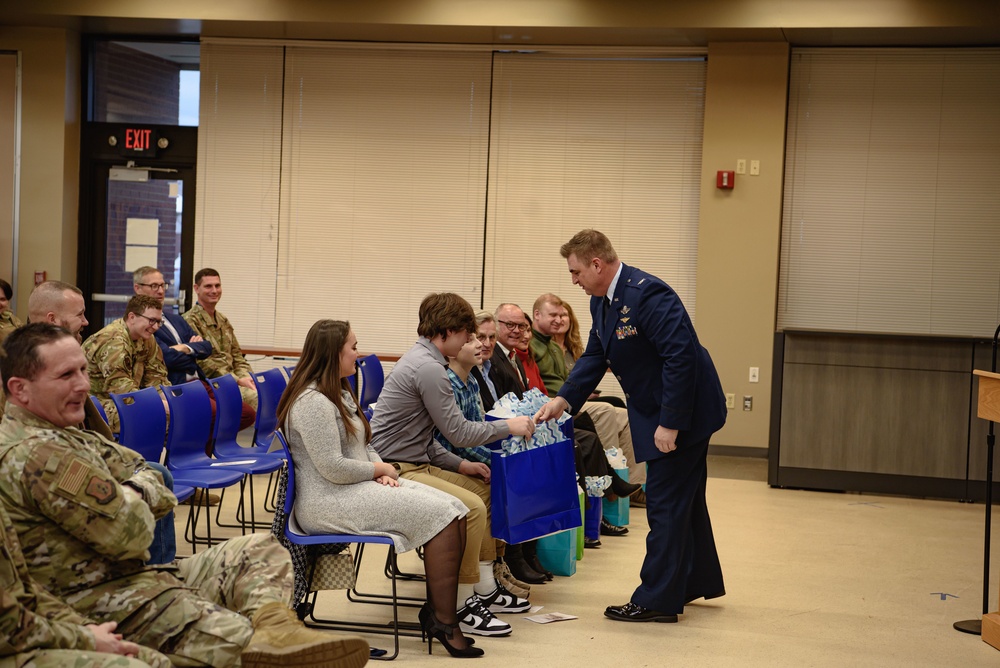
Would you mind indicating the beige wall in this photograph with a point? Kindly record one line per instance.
(8, 161)
(738, 238)
(50, 153)
(745, 114)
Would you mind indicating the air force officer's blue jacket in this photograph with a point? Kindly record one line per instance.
(646, 337)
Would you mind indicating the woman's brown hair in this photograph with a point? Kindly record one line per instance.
(320, 364)
(574, 344)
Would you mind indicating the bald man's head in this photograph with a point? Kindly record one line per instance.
(58, 303)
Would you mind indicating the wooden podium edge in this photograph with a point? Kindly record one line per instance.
(991, 629)
(989, 395)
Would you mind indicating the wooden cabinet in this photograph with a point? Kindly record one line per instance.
(878, 414)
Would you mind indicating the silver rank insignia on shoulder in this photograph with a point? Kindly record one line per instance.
(641, 281)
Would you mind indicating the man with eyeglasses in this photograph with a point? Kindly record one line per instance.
(181, 346)
(511, 328)
(123, 357)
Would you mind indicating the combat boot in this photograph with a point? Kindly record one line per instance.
(280, 639)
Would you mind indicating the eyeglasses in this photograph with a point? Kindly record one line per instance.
(514, 326)
(155, 322)
(155, 286)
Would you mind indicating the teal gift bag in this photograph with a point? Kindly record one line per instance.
(616, 511)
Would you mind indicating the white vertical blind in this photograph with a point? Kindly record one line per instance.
(239, 159)
(890, 220)
(611, 143)
(365, 185)
(383, 188)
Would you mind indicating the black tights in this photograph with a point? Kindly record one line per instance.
(442, 558)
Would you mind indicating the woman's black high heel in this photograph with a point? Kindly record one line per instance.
(431, 628)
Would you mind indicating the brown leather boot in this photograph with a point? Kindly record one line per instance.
(280, 639)
(503, 575)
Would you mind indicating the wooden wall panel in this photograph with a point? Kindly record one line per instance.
(876, 406)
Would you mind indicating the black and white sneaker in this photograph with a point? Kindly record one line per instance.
(504, 602)
(476, 619)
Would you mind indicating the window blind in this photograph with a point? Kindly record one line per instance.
(383, 188)
(239, 160)
(585, 141)
(890, 220)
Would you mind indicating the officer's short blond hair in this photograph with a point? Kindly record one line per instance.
(588, 244)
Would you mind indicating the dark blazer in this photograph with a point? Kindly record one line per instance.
(179, 364)
(506, 376)
(646, 337)
(484, 390)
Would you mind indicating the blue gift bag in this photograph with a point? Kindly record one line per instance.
(592, 523)
(533, 493)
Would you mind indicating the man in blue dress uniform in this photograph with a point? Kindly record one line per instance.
(675, 403)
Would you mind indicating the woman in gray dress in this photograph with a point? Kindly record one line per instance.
(342, 486)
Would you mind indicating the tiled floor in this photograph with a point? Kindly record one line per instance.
(813, 579)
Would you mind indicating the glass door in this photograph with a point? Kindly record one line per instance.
(144, 222)
(135, 210)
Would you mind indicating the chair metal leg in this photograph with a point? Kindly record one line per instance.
(381, 599)
(306, 611)
(392, 567)
(190, 530)
(243, 525)
(271, 494)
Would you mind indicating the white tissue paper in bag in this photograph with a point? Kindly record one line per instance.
(547, 433)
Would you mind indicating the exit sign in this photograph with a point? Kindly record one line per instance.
(138, 141)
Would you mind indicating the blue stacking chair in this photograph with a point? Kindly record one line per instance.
(289, 370)
(190, 426)
(372, 380)
(270, 385)
(308, 608)
(143, 424)
(183, 492)
(228, 410)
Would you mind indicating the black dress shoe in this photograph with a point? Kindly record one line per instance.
(630, 612)
(533, 561)
(622, 488)
(523, 571)
(591, 543)
(609, 529)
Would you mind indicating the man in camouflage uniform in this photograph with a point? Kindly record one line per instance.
(37, 629)
(83, 509)
(57, 303)
(124, 357)
(60, 304)
(211, 325)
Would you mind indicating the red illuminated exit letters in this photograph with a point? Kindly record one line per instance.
(137, 139)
